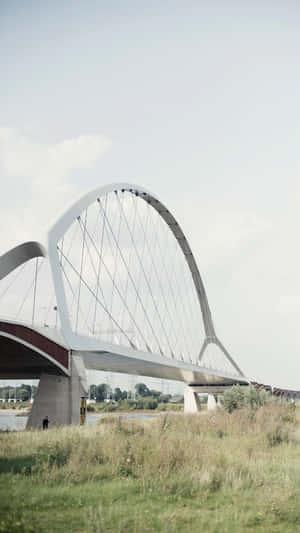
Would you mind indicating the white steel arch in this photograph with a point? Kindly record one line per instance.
(20, 254)
(64, 222)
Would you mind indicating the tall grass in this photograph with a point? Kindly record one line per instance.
(192, 457)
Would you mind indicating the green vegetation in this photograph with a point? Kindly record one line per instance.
(22, 393)
(212, 472)
(144, 399)
(11, 405)
(238, 397)
(145, 404)
(102, 392)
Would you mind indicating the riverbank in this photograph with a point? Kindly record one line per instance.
(18, 412)
(141, 404)
(191, 473)
(17, 422)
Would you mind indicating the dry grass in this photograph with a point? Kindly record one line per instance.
(205, 459)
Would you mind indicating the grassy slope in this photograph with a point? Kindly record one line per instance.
(213, 473)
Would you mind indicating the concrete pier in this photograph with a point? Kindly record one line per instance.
(212, 402)
(58, 397)
(191, 401)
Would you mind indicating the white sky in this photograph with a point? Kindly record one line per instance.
(197, 101)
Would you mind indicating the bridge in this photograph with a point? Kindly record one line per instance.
(114, 286)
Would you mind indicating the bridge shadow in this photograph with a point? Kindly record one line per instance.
(18, 465)
(28, 464)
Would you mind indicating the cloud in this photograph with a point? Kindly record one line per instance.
(230, 229)
(36, 180)
(219, 237)
(23, 157)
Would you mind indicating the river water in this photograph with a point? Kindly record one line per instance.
(11, 422)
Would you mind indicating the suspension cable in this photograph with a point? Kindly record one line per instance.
(99, 272)
(159, 281)
(92, 292)
(53, 292)
(72, 291)
(17, 274)
(81, 267)
(27, 293)
(170, 284)
(131, 278)
(34, 289)
(146, 279)
(117, 289)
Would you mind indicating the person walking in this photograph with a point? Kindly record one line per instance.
(45, 422)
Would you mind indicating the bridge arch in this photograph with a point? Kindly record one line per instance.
(19, 255)
(62, 225)
(181, 324)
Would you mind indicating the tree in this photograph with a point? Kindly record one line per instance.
(93, 392)
(117, 394)
(23, 394)
(27, 387)
(237, 397)
(150, 403)
(103, 391)
(124, 395)
(155, 393)
(142, 390)
(255, 398)
(165, 398)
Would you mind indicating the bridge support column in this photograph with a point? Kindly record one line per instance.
(212, 402)
(191, 401)
(58, 397)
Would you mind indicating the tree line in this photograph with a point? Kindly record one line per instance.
(103, 392)
(21, 393)
(99, 393)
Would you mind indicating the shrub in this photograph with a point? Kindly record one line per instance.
(233, 399)
(150, 404)
(162, 407)
(110, 407)
(238, 397)
(277, 436)
(255, 398)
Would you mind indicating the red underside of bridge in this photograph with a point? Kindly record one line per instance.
(24, 353)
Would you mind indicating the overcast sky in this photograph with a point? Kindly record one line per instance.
(198, 102)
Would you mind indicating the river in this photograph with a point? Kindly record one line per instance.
(11, 422)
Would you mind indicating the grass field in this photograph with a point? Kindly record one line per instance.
(211, 472)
